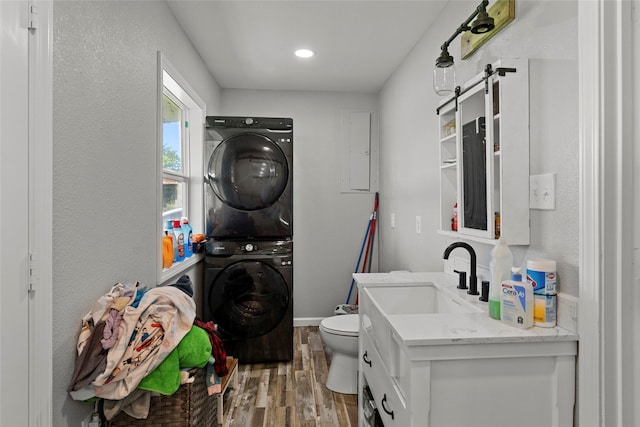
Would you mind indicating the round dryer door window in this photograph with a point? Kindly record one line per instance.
(248, 171)
(248, 299)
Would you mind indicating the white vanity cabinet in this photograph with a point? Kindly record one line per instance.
(483, 136)
(461, 369)
(378, 372)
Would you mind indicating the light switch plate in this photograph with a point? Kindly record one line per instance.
(393, 220)
(542, 191)
(418, 224)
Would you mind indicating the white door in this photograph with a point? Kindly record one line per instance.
(14, 214)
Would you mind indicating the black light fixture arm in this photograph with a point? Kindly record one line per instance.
(465, 25)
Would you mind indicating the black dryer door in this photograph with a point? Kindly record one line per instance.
(248, 299)
(248, 171)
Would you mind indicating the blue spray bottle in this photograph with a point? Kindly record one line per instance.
(188, 232)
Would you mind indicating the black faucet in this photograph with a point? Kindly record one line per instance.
(473, 279)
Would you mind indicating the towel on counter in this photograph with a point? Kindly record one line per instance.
(193, 351)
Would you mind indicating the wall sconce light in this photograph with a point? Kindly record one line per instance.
(444, 73)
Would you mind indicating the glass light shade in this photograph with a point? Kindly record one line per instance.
(444, 80)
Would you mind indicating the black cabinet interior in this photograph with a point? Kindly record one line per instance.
(474, 174)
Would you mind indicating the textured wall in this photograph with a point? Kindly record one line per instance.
(546, 33)
(328, 226)
(104, 155)
(636, 207)
(105, 150)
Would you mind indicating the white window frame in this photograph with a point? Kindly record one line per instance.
(171, 81)
(169, 86)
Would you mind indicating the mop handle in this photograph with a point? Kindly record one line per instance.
(366, 233)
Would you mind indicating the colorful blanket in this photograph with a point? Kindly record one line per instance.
(148, 333)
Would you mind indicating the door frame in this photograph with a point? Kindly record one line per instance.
(595, 22)
(41, 212)
(605, 322)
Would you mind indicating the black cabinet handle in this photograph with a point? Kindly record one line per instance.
(384, 399)
(364, 357)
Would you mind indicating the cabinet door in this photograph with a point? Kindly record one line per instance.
(448, 165)
(484, 156)
(475, 163)
(510, 94)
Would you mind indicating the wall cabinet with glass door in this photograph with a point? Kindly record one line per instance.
(484, 156)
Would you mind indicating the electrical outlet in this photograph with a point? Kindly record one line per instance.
(418, 224)
(393, 220)
(542, 191)
(567, 312)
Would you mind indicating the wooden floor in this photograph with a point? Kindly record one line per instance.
(291, 394)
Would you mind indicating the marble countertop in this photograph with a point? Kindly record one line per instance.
(461, 328)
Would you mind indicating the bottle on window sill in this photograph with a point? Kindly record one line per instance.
(167, 250)
(179, 239)
(188, 234)
(454, 220)
(174, 246)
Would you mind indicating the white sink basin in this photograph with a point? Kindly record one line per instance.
(382, 305)
(423, 298)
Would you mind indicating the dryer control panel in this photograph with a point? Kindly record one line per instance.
(227, 248)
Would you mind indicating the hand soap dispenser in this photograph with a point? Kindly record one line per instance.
(500, 268)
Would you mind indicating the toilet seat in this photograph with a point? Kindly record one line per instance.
(345, 325)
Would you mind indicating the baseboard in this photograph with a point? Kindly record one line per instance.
(307, 321)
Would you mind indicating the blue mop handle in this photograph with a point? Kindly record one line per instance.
(364, 241)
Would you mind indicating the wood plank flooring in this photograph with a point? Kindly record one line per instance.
(291, 394)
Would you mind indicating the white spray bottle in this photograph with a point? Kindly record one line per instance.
(500, 268)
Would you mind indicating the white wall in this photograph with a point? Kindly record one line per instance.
(546, 33)
(104, 137)
(104, 159)
(328, 226)
(635, 296)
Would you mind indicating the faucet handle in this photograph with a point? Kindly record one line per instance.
(484, 296)
(462, 279)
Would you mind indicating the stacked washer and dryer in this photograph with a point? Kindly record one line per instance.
(248, 276)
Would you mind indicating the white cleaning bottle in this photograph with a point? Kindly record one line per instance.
(516, 301)
(500, 268)
(188, 233)
(179, 239)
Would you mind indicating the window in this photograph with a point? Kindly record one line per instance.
(180, 143)
(175, 167)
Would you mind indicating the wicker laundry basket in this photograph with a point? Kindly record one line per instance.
(190, 406)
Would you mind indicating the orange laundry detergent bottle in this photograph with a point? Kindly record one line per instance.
(167, 251)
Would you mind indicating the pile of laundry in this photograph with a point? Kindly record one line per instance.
(136, 341)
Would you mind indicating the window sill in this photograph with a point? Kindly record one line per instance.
(179, 267)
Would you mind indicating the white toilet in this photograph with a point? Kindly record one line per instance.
(340, 334)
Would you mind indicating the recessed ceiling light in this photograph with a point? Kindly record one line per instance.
(304, 53)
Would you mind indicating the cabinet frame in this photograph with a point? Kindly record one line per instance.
(506, 117)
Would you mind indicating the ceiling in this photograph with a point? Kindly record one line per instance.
(358, 44)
